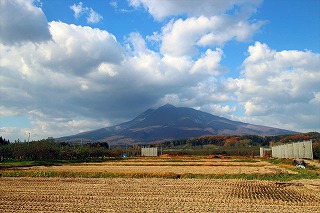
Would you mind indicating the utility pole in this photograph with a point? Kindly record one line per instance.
(29, 137)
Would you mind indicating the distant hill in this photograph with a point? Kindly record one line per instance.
(169, 123)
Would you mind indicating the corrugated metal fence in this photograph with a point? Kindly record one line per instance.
(264, 152)
(150, 152)
(301, 149)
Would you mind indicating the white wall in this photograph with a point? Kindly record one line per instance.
(302, 149)
(149, 152)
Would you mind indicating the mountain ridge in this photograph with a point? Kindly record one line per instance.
(170, 123)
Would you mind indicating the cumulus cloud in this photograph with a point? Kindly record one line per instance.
(44, 126)
(280, 87)
(210, 24)
(79, 49)
(166, 8)
(218, 109)
(184, 37)
(82, 78)
(59, 77)
(91, 15)
(85, 72)
(209, 63)
(171, 71)
(30, 25)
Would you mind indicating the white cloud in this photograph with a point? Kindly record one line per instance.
(106, 68)
(21, 21)
(85, 72)
(167, 70)
(173, 99)
(84, 79)
(4, 111)
(209, 91)
(256, 107)
(94, 17)
(58, 77)
(78, 9)
(210, 24)
(281, 87)
(80, 49)
(218, 109)
(114, 4)
(91, 15)
(164, 8)
(11, 133)
(44, 127)
(184, 37)
(316, 99)
(209, 63)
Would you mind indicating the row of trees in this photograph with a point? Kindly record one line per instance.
(249, 140)
(3, 141)
(50, 150)
(244, 140)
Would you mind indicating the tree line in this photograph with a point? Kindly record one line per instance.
(48, 149)
(243, 140)
(3, 141)
(248, 140)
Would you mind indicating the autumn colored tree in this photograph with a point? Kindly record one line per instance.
(232, 141)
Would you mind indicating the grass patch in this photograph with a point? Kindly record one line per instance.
(11, 164)
(310, 172)
(287, 163)
(278, 161)
(273, 177)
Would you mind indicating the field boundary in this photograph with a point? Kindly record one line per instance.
(277, 177)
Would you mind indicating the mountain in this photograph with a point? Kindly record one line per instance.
(169, 122)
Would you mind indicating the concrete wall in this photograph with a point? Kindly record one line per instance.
(149, 152)
(301, 149)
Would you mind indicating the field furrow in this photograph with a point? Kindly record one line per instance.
(25, 194)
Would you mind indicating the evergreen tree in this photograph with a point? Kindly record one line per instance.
(3, 141)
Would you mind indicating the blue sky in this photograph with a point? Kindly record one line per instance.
(70, 66)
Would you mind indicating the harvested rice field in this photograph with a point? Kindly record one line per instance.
(27, 194)
(176, 184)
(171, 165)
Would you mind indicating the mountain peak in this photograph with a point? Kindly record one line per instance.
(171, 123)
(167, 106)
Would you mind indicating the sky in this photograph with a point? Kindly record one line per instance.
(68, 66)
